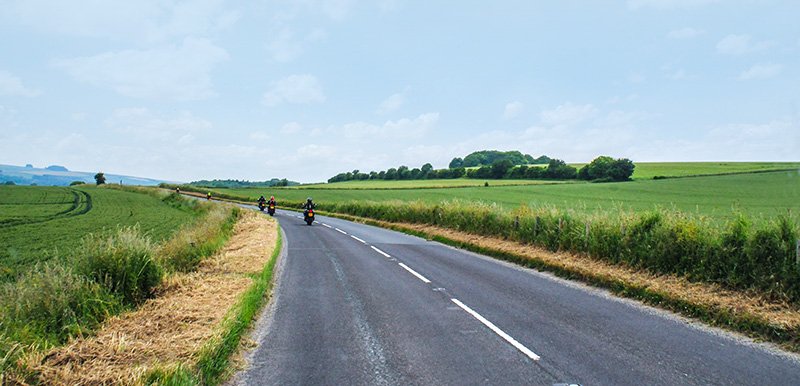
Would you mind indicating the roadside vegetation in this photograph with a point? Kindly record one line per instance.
(69, 291)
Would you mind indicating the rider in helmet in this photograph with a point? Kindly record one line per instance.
(261, 199)
(272, 201)
(309, 204)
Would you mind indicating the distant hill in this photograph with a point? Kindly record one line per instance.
(55, 175)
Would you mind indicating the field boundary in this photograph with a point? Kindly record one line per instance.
(727, 315)
(718, 174)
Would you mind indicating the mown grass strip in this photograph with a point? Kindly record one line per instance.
(212, 366)
(748, 324)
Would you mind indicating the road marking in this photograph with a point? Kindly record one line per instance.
(362, 241)
(326, 225)
(413, 272)
(497, 331)
(379, 251)
(340, 231)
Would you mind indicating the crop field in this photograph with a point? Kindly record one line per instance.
(648, 170)
(38, 223)
(758, 195)
(423, 184)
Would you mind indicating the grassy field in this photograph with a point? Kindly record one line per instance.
(648, 170)
(423, 184)
(37, 223)
(759, 195)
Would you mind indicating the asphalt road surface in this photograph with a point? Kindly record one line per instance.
(360, 305)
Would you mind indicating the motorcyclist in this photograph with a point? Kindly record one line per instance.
(261, 199)
(272, 201)
(309, 204)
(208, 195)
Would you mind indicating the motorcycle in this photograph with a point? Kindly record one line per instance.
(271, 210)
(261, 206)
(308, 216)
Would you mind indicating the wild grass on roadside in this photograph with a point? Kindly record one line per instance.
(190, 245)
(212, 365)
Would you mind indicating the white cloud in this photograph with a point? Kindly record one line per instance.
(181, 72)
(401, 129)
(285, 46)
(668, 4)
(761, 71)
(296, 89)
(141, 124)
(142, 21)
(291, 128)
(392, 103)
(11, 85)
(513, 109)
(685, 33)
(568, 114)
(741, 44)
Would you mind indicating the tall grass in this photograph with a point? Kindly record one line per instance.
(124, 263)
(190, 245)
(737, 255)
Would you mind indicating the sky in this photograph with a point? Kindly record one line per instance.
(306, 89)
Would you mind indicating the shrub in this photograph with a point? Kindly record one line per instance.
(51, 303)
(123, 263)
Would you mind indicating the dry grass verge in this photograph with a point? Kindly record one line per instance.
(172, 328)
(749, 313)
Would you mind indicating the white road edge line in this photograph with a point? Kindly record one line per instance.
(340, 231)
(379, 251)
(498, 331)
(362, 241)
(413, 272)
(326, 225)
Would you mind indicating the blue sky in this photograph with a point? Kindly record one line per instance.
(184, 90)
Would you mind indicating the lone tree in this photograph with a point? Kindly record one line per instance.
(100, 178)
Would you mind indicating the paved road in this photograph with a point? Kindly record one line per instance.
(359, 305)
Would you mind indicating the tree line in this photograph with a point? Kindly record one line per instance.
(601, 169)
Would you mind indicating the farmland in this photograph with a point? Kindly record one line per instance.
(38, 223)
(759, 195)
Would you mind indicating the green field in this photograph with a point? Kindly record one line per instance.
(418, 184)
(760, 195)
(37, 223)
(648, 170)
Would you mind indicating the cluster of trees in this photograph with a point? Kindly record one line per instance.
(489, 157)
(601, 169)
(426, 172)
(605, 168)
(242, 184)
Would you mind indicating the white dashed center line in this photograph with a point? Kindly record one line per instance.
(413, 272)
(340, 231)
(498, 331)
(326, 225)
(362, 241)
(379, 251)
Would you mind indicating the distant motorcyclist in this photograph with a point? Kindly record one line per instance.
(309, 204)
(208, 196)
(272, 201)
(262, 200)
